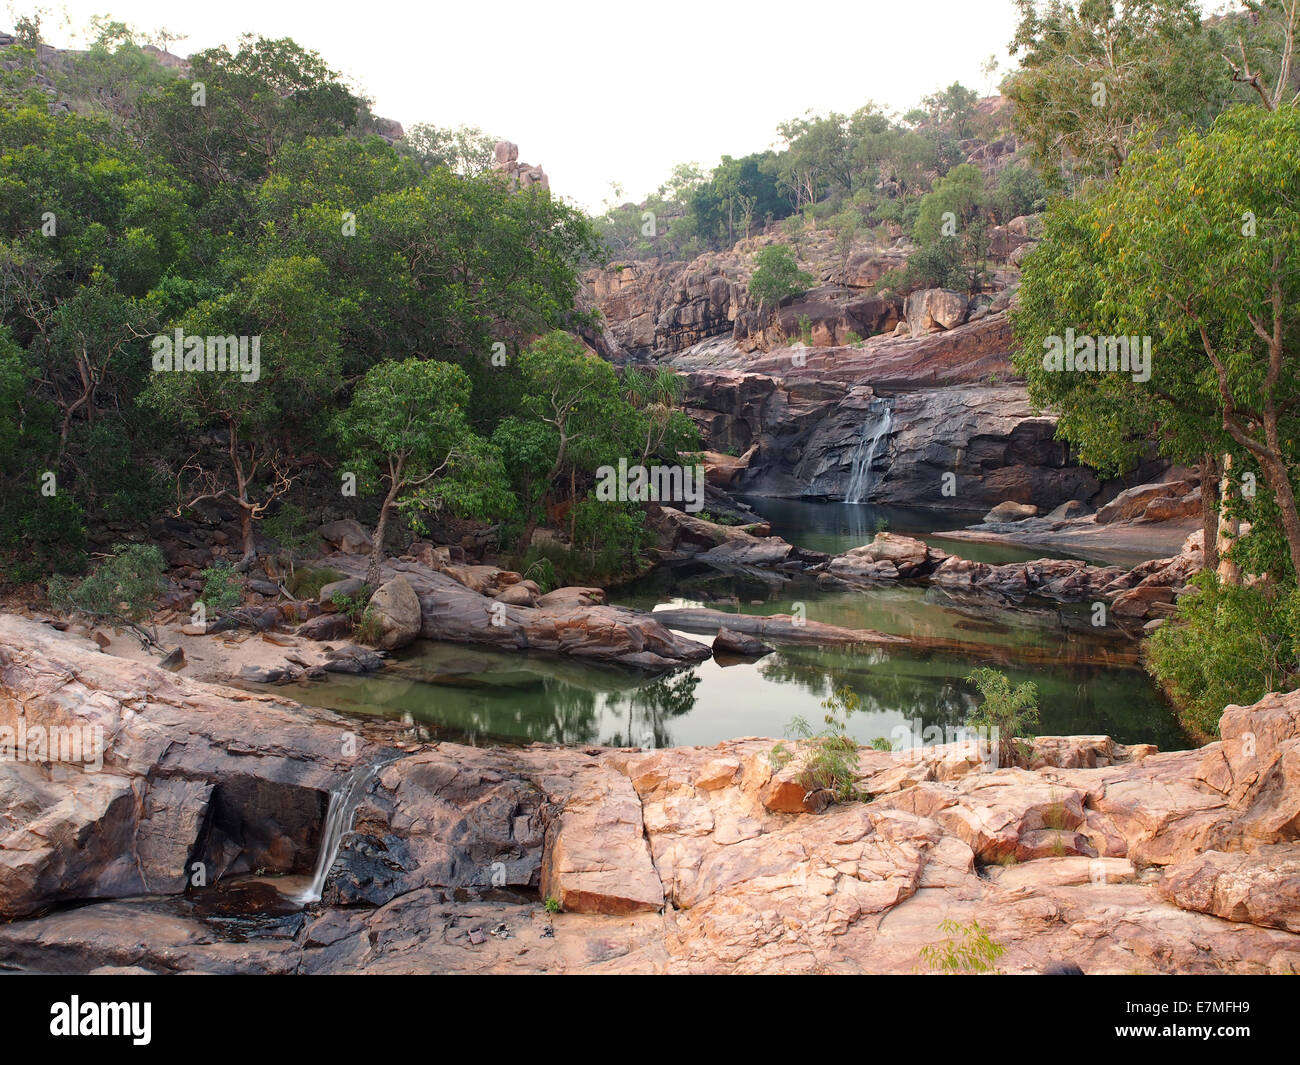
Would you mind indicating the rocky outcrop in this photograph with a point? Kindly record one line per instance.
(679, 860)
(961, 435)
(518, 175)
(458, 611)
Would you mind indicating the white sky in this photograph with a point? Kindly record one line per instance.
(603, 92)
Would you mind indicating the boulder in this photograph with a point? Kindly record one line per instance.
(1011, 511)
(346, 535)
(349, 588)
(325, 627)
(935, 309)
(394, 611)
(740, 644)
(1132, 503)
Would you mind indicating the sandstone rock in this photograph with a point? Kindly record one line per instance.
(570, 597)
(1011, 511)
(596, 858)
(326, 627)
(1132, 503)
(934, 308)
(346, 535)
(735, 643)
(517, 595)
(349, 587)
(1262, 888)
(395, 613)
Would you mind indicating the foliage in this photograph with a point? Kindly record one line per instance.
(222, 588)
(307, 581)
(1095, 75)
(1186, 247)
(968, 949)
(1011, 711)
(777, 276)
(827, 758)
(1227, 644)
(292, 528)
(122, 587)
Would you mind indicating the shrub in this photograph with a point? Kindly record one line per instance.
(307, 582)
(221, 587)
(293, 530)
(1012, 711)
(122, 588)
(777, 276)
(828, 758)
(967, 950)
(1227, 644)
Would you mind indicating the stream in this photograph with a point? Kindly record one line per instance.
(1089, 680)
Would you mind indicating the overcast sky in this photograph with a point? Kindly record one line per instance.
(603, 92)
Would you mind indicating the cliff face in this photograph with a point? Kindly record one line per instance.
(850, 393)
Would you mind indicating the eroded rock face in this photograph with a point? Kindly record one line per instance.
(190, 773)
(680, 860)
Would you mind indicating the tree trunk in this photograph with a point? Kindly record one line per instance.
(246, 535)
(1209, 517)
(1229, 527)
(377, 542)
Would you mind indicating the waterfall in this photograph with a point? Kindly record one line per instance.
(876, 429)
(343, 804)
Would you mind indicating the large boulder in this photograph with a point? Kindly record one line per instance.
(1010, 510)
(395, 614)
(346, 535)
(933, 309)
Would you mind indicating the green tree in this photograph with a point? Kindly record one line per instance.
(1095, 74)
(287, 307)
(406, 428)
(777, 276)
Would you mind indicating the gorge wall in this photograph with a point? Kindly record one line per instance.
(850, 393)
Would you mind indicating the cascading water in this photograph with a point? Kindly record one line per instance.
(875, 434)
(338, 822)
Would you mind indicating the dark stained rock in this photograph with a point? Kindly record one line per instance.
(737, 643)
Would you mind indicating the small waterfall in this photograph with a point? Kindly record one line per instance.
(344, 801)
(875, 435)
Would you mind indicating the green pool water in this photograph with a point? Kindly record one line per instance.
(1086, 680)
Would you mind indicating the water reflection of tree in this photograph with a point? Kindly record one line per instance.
(883, 684)
(648, 709)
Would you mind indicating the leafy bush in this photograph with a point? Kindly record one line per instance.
(1227, 644)
(1012, 711)
(293, 530)
(777, 276)
(222, 588)
(967, 950)
(307, 582)
(123, 587)
(827, 758)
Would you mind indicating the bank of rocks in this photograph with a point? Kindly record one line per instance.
(1118, 858)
